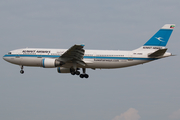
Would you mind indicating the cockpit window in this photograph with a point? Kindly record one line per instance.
(9, 52)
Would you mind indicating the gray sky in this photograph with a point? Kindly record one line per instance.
(143, 92)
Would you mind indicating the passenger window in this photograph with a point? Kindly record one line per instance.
(9, 52)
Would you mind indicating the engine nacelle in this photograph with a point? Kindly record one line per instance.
(51, 63)
(63, 70)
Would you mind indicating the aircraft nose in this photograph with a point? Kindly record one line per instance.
(5, 58)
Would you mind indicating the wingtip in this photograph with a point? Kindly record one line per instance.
(173, 55)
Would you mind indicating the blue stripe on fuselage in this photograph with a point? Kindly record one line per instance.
(86, 57)
(43, 63)
(22, 55)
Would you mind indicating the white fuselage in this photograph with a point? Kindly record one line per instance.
(103, 59)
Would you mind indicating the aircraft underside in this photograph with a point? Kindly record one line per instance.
(74, 69)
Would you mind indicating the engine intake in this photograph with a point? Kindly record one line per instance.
(51, 63)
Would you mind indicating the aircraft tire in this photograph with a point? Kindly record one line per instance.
(77, 73)
(22, 71)
(73, 73)
(81, 75)
(86, 75)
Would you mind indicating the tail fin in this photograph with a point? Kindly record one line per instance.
(161, 37)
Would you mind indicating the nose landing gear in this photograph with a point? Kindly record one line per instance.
(22, 71)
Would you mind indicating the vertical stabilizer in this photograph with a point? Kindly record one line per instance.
(161, 37)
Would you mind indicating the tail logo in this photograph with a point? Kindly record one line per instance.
(172, 26)
(159, 38)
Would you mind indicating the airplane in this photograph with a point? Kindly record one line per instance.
(72, 59)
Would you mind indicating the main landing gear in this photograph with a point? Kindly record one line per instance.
(76, 72)
(84, 75)
(22, 71)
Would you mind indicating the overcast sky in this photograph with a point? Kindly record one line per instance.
(145, 92)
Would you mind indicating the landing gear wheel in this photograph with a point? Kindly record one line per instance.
(22, 71)
(77, 72)
(81, 76)
(86, 75)
(73, 73)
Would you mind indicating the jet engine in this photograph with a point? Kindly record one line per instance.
(51, 63)
(63, 70)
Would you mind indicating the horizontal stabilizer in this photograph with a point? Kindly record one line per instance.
(157, 53)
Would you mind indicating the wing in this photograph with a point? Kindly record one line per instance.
(74, 54)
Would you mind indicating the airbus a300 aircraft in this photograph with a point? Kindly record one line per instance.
(74, 58)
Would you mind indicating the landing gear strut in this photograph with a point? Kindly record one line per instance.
(84, 75)
(21, 71)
